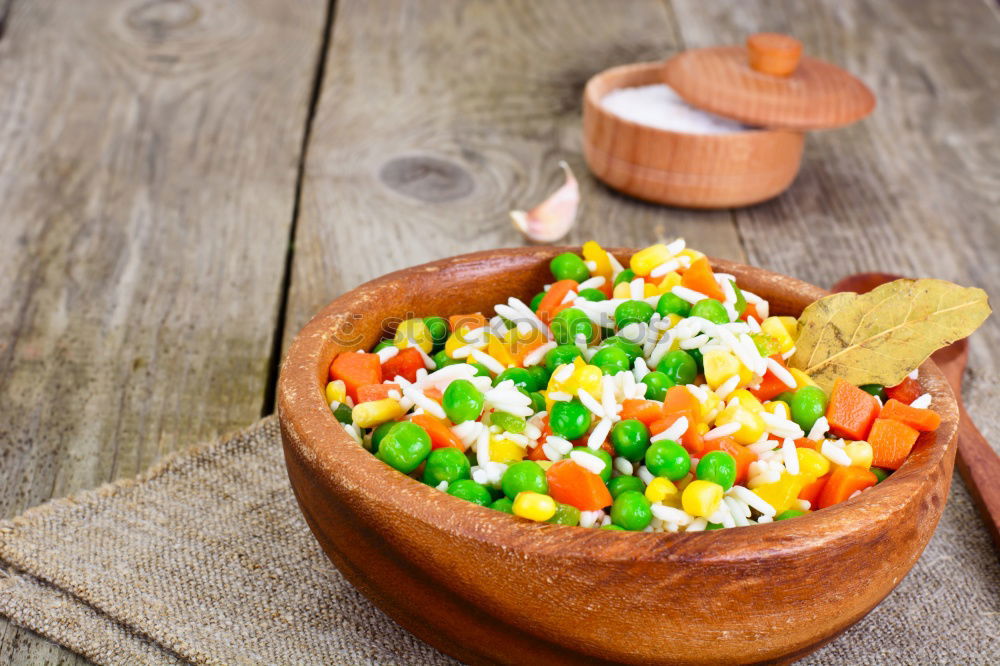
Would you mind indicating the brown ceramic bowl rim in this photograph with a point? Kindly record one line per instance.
(592, 100)
(319, 438)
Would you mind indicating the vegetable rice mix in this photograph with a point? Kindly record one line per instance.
(655, 397)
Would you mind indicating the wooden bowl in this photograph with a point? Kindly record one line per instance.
(689, 170)
(487, 587)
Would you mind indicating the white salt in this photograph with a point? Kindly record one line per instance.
(660, 107)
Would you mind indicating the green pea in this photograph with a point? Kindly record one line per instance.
(710, 309)
(438, 326)
(741, 301)
(566, 514)
(881, 474)
(699, 359)
(808, 404)
(539, 377)
(569, 419)
(714, 526)
(537, 401)
(343, 413)
(561, 355)
(679, 366)
(789, 513)
(569, 323)
(536, 301)
(631, 312)
(620, 484)
(611, 360)
(668, 458)
(786, 397)
(876, 390)
(765, 344)
(504, 504)
(672, 304)
(601, 455)
(526, 475)
(592, 295)
(657, 384)
(508, 422)
(405, 446)
(611, 527)
(441, 359)
(632, 350)
(630, 439)
(631, 511)
(379, 433)
(446, 464)
(718, 467)
(626, 275)
(521, 378)
(471, 491)
(569, 266)
(462, 401)
(383, 344)
(481, 370)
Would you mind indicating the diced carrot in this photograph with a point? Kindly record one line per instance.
(607, 289)
(701, 278)
(923, 420)
(439, 430)
(806, 443)
(905, 391)
(741, 454)
(519, 346)
(434, 393)
(690, 439)
(646, 411)
(679, 399)
(371, 392)
(850, 411)
(404, 364)
(571, 484)
(470, 321)
(356, 370)
(551, 303)
(537, 454)
(844, 482)
(751, 311)
(770, 385)
(891, 442)
(811, 491)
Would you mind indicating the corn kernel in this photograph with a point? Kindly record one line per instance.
(591, 251)
(860, 453)
(693, 255)
(376, 412)
(669, 281)
(773, 327)
(336, 391)
(496, 348)
(503, 450)
(701, 428)
(622, 290)
(720, 366)
(701, 498)
(545, 464)
(748, 401)
(534, 506)
(659, 489)
(674, 319)
(649, 290)
(683, 483)
(791, 325)
(778, 408)
(781, 493)
(751, 424)
(415, 330)
(646, 260)
(801, 378)
(812, 463)
(454, 341)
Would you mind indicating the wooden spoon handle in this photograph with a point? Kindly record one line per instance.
(979, 466)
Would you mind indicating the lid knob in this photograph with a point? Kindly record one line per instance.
(773, 53)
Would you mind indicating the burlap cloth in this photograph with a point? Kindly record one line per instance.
(206, 559)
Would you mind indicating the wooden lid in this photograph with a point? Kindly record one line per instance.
(768, 83)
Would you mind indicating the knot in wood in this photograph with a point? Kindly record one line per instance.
(427, 178)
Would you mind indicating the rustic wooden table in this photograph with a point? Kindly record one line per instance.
(186, 181)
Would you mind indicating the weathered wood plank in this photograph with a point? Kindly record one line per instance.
(433, 124)
(149, 153)
(915, 188)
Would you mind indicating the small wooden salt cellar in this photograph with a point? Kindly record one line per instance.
(767, 85)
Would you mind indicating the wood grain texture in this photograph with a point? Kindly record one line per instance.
(913, 189)
(433, 561)
(469, 106)
(150, 156)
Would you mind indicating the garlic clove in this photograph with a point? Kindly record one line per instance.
(553, 218)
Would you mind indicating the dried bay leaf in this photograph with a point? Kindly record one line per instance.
(881, 336)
